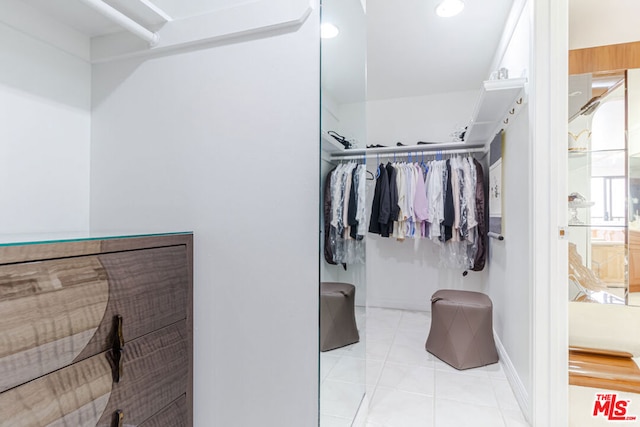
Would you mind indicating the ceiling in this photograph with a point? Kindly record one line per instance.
(410, 50)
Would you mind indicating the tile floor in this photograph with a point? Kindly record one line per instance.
(407, 386)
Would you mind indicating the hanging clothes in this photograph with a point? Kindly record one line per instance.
(442, 200)
(380, 207)
(328, 247)
(481, 235)
(344, 208)
(394, 209)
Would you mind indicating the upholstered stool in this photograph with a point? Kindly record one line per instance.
(462, 329)
(337, 315)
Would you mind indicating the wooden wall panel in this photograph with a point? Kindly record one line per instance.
(604, 58)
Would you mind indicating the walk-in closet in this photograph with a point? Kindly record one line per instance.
(400, 108)
(201, 132)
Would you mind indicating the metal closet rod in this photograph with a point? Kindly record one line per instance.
(354, 154)
(124, 21)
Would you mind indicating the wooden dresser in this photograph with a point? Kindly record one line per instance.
(97, 332)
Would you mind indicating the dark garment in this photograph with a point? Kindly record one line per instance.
(449, 210)
(394, 209)
(353, 202)
(481, 235)
(328, 250)
(380, 202)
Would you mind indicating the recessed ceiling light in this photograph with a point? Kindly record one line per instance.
(449, 8)
(328, 30)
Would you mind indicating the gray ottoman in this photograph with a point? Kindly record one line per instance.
(337, 315)
(462, 329)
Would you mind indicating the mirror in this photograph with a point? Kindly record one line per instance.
(342, 358)
(604, 188)
(633, 143)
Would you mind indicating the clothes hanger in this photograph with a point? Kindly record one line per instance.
(423, 165)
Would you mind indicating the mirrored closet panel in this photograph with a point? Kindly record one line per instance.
(404, 86)
(604, 187)
(342, 247)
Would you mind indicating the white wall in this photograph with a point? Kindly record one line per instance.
(597, 23)
(509, 272)
(223, 140)
(44, 136)
(509, 278)
(430, 118)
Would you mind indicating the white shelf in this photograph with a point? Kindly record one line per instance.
(329, 144)
(498, 104)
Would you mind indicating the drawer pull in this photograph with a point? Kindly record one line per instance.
(117, 347)
(118, 418)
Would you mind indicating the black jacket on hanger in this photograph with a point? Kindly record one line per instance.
(481, 253)
(353, 201)
(328, 252)
(380, 205)
(449, 210)
(394, 209)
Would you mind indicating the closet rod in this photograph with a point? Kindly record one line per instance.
(124, 21)
(371, 153)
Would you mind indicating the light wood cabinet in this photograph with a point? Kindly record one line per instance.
(96, 330)
(634, 261)
(608, 261)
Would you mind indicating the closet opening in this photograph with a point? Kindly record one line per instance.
(395, 102)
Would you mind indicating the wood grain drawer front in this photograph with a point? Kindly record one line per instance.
(174, 415)
(60, 311)
(154, 375)
(73, 396)
(50, 311)
(148, 288)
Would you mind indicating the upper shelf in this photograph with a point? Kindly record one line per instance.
(498, 103)
(329, 144)
(104, 30)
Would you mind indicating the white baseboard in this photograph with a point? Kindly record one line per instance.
(518, 388)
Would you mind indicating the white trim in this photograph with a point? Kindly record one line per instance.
(152, 9)
(548, 109)
(249, 19)
(519, 390)
(123, 21)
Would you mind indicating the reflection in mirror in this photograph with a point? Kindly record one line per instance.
(342, 269)
(603, 176)
(633, 143)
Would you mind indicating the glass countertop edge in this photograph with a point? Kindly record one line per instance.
(7, 240)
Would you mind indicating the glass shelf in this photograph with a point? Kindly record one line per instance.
(598, 163)
(584, 152)
(613, 227)
(42, 238)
